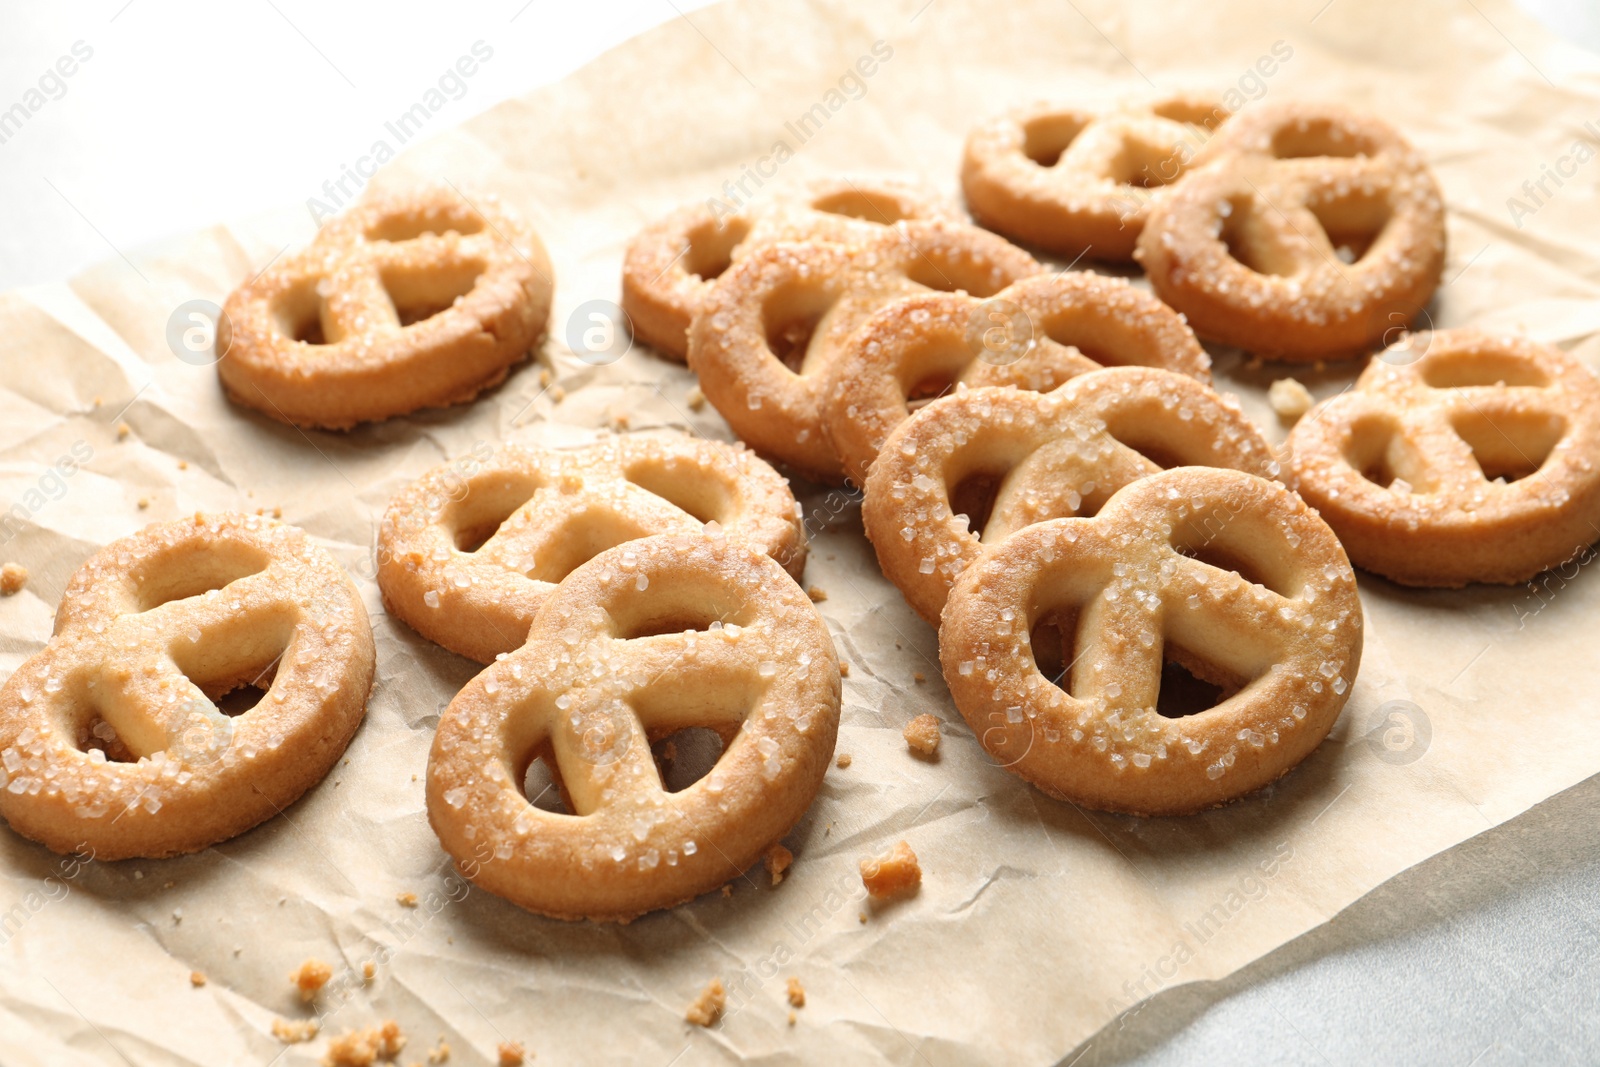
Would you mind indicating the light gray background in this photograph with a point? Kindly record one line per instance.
(1486, 954)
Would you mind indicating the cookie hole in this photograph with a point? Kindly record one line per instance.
(683, 486)
(1215, 553)
(934, 269)
(1375, 450)
(580, 539)
(669, 623)
(242, 699)
(420, 294)
(298, 313)
(1046, 137)
(1509, 445)
(479, 514)
(974, 495)
(1054, 642)
(1465, 370)
(177, 574)
(1353, 222)
(789, 319)
(98, 734)
(1242, 245)
(1319, 137)
(429, 221)
(686, 757)
(1192, 113)
(711, 246)
(1183, 694)
(1147, 165)
(542, 785)
(885, 209)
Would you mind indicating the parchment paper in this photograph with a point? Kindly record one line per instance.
(1037, 923)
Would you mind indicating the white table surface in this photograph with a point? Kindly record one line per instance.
(1486, 954)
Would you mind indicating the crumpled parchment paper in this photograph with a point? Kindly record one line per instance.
(1037, 923)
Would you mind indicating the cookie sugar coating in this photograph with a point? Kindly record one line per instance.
(110, 737)
(644, 640)
(468, 552)
(1458, 457)
(1133, 587)
(411, 300)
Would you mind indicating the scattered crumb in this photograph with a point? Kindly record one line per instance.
(793, 1018)
(922, 734)
(696, 398)
(511, 1054)
(669, 751)
(13, 576)
(797, 994)
(862, 917)
(844, 668)
(98, 401)
(277, 513)
(183, 464)
(369, 971)
(123, 430)
(843, 761)
(545, 377)
(406, 900)
(708, 1006)
(363, 1048)
(440, 1052)
(918, 677)
(311, 977)
(1289, 399)
(620, 420)
(817, 594)
(197, 979)
(292, 1033)
(893, 875)
(777, 860)
(144, 502)
(1320, 365)
(727, 890)
(557, 394)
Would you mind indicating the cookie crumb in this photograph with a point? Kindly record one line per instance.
(369, 971)
(620, 420)
(669, 751)
(557, 394)
(922, 734)
(777, 860)
(1289, 399)
(440, 1052)
(144, 502)
(277, 513)
(310, 978)
(511, 1054)
(292, 1033)
(406, 900)
(793, 1018)
(727, 890)
(863, 918)
(696, 398)
(797, 994)
(363, 1048)
(97, 401)
(545, 377)
(893, 875)
(918, 677)
(197, 979)
(183, 464)
(123, 430)
(13, 576)
(844, 668)
(843, 761)
(817, 594)
(708, 1006)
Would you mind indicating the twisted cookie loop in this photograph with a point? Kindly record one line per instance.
(466, 557)
(644, 640)
(771, 329)
(1127, 593)
(1046, 456)
(411, 300)
(1248, 246)
(1078, 182)
(671, 263)
(1034, 334)
(110, 737)
(1458, 457)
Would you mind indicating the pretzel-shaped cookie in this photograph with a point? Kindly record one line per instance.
(466, 561)
(1044, 456)
(672, 262)
(1153, 578)
(1034, 334)
(1304, 232)
(110, 737)
(771, 329)
(410, 300)
(1477, 460)
(644, 640)
(1078, 182)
